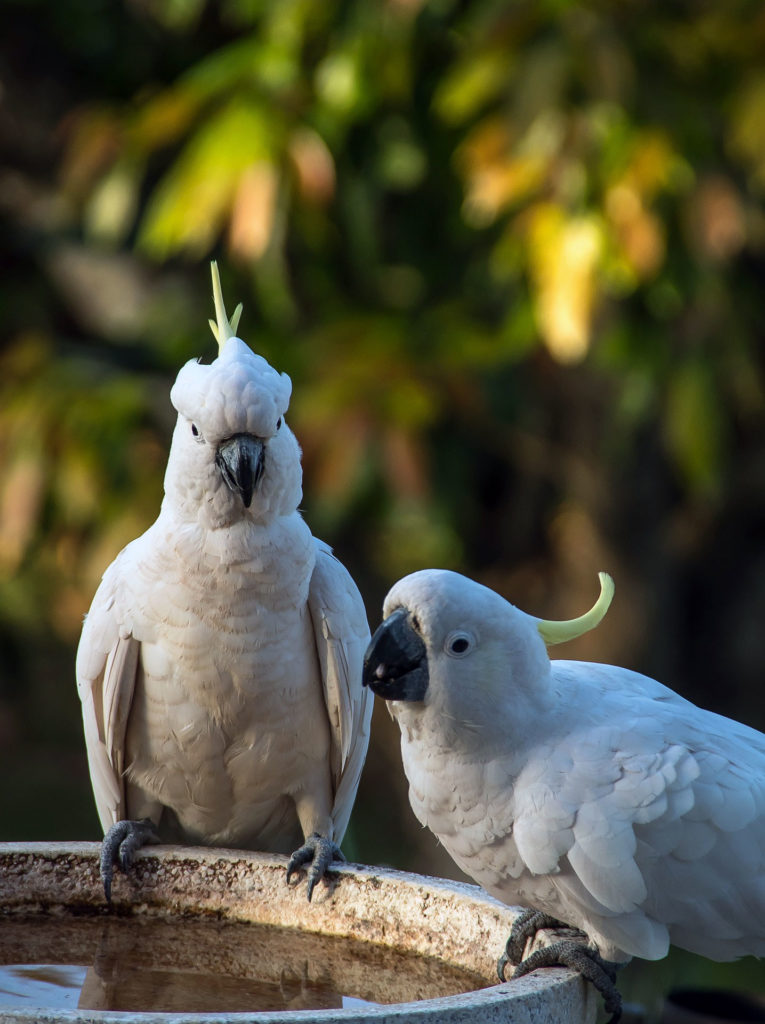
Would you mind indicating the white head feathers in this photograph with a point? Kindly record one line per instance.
(485, 603)
(239, 392)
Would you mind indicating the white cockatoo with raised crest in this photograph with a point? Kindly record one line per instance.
(219, 666)
(589, 794)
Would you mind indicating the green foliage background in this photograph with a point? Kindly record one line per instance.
(512, 255)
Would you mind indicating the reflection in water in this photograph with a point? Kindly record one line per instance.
(205, 966)
(27, 985)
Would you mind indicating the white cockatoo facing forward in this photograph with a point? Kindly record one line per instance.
(588, 792)
(219, 667)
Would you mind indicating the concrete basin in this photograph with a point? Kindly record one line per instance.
(369, 931)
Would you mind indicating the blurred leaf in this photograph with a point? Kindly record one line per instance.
(162, 119)
(746, 134)
(638, 236)
(716, 218)
(474, 80)
(113, 204)
(497, 174)
(94, 137)
(402, 164)
(76, 484)
(314, 165)
(253, 211)
(175, 14)
(339, 83)
(693, 426)
(21, 497)
(564, 255)
(68, 437)
(222, 72)
(190, 206)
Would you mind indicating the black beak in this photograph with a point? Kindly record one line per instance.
(241, 460)
(396, 662)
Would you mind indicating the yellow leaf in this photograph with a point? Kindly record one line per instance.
(564, 257)
(638, 232)
(112, 204)
(193, 201)
(500, 170)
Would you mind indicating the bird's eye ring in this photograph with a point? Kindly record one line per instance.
(279, 423)
(458, 644)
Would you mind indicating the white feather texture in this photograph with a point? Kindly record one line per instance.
(220, 663)
(584, 790)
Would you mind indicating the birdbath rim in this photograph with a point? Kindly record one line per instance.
(456, 922)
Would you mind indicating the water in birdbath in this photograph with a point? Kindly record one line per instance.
(197, 965)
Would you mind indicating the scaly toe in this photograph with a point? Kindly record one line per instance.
(119, 847)
(525, 927)
(587, 962)
(320, 851)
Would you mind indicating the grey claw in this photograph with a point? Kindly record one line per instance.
(320, 851)
(525, 927)
(119, 847)
(587, 962)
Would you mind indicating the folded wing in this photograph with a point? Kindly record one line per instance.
(342, 634)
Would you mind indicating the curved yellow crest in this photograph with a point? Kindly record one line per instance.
(557, 632)
(224, 328)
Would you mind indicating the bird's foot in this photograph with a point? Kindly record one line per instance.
(525, 927)
(565, 953)
(119, 847)
(587, 962)
(320, 851)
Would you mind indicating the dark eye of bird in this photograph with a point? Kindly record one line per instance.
(279, 423)
(460, 645)
(194, 430)
(415, 623)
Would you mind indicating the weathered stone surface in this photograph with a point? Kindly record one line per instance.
(459, 924)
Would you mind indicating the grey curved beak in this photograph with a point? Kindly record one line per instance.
(241, 461)
(396, 660)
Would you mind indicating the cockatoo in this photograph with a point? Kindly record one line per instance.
(219, 667)
(589, 792)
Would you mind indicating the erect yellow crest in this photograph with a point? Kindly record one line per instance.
(557, 632)
(224, 328)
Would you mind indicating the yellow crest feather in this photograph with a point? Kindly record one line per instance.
(557, 632)
(224, 328)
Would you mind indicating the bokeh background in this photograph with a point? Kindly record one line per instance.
(512, 255)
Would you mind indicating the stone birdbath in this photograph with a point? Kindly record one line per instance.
(202, 936)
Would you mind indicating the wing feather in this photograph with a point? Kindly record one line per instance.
(653, 816)
(342, 634)
(107, 665)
